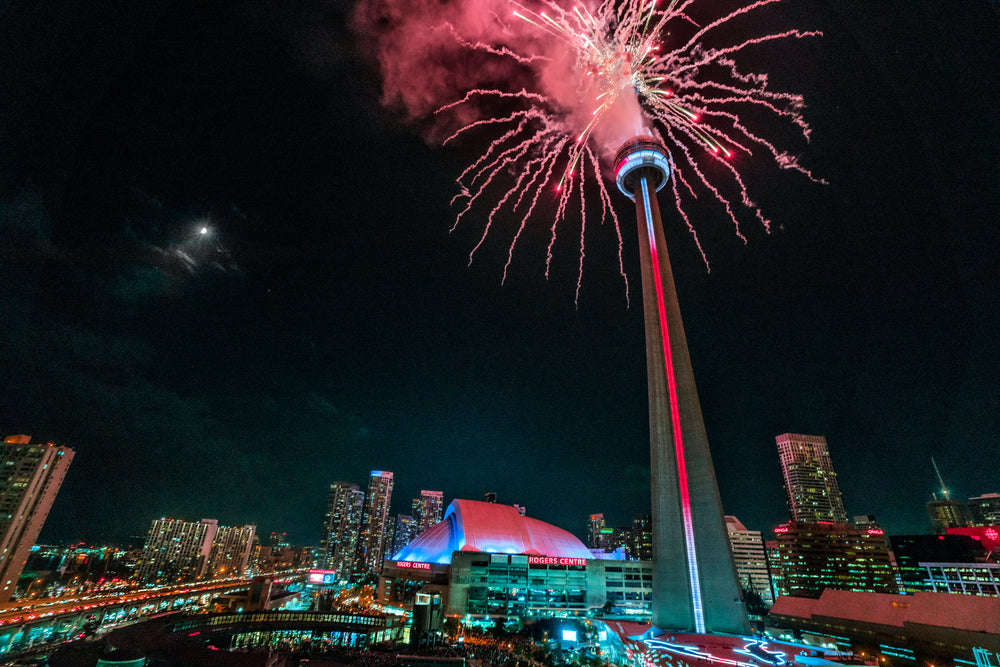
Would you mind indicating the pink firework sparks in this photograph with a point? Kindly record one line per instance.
(588, 78)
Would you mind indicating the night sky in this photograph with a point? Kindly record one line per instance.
(329, 324)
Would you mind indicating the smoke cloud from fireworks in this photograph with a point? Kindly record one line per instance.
(431, 53)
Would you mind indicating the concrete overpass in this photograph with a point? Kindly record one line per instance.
(24, 625)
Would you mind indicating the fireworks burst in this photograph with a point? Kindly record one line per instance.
(598, 77)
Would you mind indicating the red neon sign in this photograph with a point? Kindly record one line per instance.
(781, 529)
(415, 566)
(553, 560)
(876, 531)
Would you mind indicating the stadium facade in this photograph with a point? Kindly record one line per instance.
(486, 560)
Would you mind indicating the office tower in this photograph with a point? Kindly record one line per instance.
(231, 551)
(374, 538)
(341, 528)
(405, 531)
(750, 558)
(642, 537)
(817, 556)
(279, 541)
(811, 486)
(985, 509)
(177, 550)
(945, 514)
(594, 527)
(694, 581)
(30, 477)
(427, 510)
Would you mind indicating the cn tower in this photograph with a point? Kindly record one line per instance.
(694, 580)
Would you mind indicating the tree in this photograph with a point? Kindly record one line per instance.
(452, 627)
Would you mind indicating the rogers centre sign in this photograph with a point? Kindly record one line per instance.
(552, 560)
(413, 566)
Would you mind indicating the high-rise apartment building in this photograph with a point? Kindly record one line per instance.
(642, 537)
(750, 559)
(985, 509)
(403, 534)
(230, 553)
(30, 477)
(375, 532)
(341, 528)
(427, 510)
(595, 526)
(177, 550)
(817, 556)
(810, 483)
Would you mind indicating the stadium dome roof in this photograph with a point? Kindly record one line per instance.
(472, 525)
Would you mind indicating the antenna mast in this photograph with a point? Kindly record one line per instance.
(944, 489)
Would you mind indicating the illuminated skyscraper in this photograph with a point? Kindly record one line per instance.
(30, 477)
(642, 537)
(177, 550)
(817, 556)
(427, 510)
(811, 486)
(375, 537)
(620, 539)
(750, 558)
(595, 526)
(341, 528)
(231, 551)
(403, 533)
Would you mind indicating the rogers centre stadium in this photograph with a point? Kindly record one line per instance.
(486, 560)
(488, 563)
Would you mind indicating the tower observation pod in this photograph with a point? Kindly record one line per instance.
(638, 158)
(694, 579)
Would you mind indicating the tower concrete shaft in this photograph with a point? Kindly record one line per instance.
(694, 579)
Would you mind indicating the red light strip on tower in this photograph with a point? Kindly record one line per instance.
(699, 612)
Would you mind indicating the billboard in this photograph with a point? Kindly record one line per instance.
(322, 577)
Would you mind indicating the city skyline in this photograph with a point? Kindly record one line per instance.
(326, 323)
